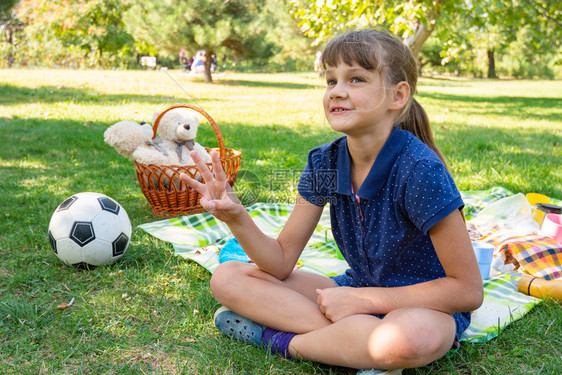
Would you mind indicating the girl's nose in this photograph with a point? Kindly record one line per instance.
(338, 91)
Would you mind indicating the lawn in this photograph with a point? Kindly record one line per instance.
(151, 312)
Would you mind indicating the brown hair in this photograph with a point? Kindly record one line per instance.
(383, 52)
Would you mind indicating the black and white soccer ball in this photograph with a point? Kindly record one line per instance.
(89, 229)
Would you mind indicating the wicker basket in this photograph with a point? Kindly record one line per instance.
(161, 185)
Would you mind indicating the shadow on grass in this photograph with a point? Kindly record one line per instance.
(51, 94)
(54, 158)
(523, 158)
(442, 81)
(512, 106)
(265, 84)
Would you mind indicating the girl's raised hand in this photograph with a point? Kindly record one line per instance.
(217, 197)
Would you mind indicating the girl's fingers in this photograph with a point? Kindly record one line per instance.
(199, 187)
(204, 203)
(208, 176)
(201, 166)
(220, 176)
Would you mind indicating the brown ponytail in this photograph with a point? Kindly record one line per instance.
(415, 121)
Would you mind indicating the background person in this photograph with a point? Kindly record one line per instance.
(198, 65)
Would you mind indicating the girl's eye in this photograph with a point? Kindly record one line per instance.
(357, 80)
(331, 82)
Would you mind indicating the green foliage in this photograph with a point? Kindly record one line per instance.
(510, 33)
(93, 26)
(518, 61)
(295, 50)
(412, 20)
(458, 26)
(431, 53)
(6, 7)
(513, 32)
(248, 33)
(94, 33)
(268, 35)
(218, 27)
(73, 33)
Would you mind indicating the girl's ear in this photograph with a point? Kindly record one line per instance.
(401, 95)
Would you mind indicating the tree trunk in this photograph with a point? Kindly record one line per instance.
(207, 75)
(416, 41)
(11, 41)
(491, 64)
(422, 32)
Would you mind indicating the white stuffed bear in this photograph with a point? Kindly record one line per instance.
(177, 130)
(126, 136)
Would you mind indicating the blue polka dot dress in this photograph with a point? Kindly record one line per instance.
(382, 229)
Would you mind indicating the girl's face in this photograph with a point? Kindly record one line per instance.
(356, 99)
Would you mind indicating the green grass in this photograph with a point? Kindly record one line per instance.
(151, 313)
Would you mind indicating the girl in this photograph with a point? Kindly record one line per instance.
(396, 217)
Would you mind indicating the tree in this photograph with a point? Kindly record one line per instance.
(6, 9)
(8, 25)
(494, 25)
(93, 27)
(293, 50)
(456, 24)
(213, 26)
(413, 20)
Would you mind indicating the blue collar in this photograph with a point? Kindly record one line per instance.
(380, 170)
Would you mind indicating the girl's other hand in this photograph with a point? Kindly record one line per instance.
(217, 196)
(340, 302)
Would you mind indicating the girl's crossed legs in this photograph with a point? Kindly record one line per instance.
(405, 337)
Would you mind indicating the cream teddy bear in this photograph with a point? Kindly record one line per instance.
(126, 136)
(177, 130)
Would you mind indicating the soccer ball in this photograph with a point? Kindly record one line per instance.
(89, 229)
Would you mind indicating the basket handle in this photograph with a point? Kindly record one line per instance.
(216, 129)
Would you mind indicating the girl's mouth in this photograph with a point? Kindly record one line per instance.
(339, 109)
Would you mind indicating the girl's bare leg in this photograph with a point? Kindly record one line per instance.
(288, 305)
(405, 338)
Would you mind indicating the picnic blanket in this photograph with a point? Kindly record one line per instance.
(538, 255)
(200, 237)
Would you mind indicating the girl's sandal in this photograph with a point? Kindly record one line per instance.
(238, 327)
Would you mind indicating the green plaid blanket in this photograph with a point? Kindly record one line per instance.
(503, 305)
(476, 200)
(200, 238)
